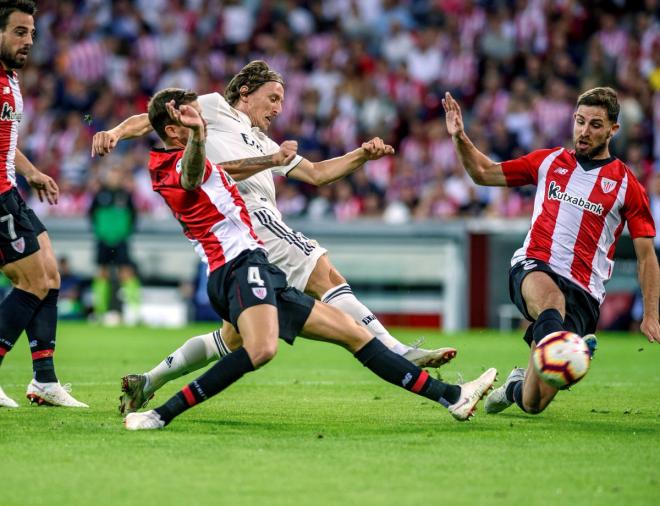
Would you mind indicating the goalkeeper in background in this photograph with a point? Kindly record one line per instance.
(113, 219)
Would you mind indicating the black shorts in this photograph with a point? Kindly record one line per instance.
(250, 280)
(113, 255)
(582, 310)
(19, 228)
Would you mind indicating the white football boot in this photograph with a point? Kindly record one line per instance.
(6, 401)
(496, 400)
(52, 394)
(428, 358)
(471, 393)
(146, 420)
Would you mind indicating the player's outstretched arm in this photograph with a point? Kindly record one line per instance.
(193, 161)
(481, 169)
(243, 169)
(45, 185)
(328, 171)
(105, 141)
(649, 280)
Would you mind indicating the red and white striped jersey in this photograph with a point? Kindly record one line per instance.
(11, 113)
(579, 213)
(213, 216)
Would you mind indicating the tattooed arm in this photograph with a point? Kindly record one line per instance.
(193, 162)
(246, 167)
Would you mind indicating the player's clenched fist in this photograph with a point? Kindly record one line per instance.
(186, 116)
(104, 142)
(376, 148)
(288, 151)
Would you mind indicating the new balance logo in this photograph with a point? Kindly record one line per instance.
(528, 265)
(169, 361)
(406, 379)
(555, 193)
(561, 171)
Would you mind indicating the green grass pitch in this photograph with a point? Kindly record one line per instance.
(314, 427)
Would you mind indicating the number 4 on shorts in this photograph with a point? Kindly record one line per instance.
(254, 277)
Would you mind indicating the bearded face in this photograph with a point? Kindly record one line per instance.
(592, 131)
(16, 40)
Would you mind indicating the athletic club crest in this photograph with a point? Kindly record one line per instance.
(260, 292)
(607, 185)
(19, 244)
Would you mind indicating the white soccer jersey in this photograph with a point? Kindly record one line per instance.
(231, 136)
(579, 213)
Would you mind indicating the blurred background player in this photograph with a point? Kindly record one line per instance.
(113, 218)
(26, 253)
(245, 289)
(70, 305)
(584, 197)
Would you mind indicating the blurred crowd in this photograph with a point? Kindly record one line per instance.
(353, 69)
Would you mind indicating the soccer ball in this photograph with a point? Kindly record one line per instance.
(561, 359)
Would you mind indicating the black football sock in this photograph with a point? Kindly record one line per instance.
(225, 372)
(529, 335)
(41, 333)
(516, 393)
(509, 392)
(549, 321)
(399, 371)
(16, 311)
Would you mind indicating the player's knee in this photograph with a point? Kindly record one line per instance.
(336, 278)
(534, 408)
(263, 353)
(359, 337)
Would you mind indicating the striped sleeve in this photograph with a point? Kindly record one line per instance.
(637, 210)
(524, 170)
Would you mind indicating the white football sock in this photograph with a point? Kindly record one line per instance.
(341, 296)
(194, 354)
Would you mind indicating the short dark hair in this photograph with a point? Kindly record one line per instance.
(8, 7)
(158, 115)
(604, 97)
(253, 75)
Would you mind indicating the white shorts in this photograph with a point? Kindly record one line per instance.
(289, 250)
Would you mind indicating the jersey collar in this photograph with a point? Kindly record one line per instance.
(590, 164)
(244, 118)
(166, 150)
